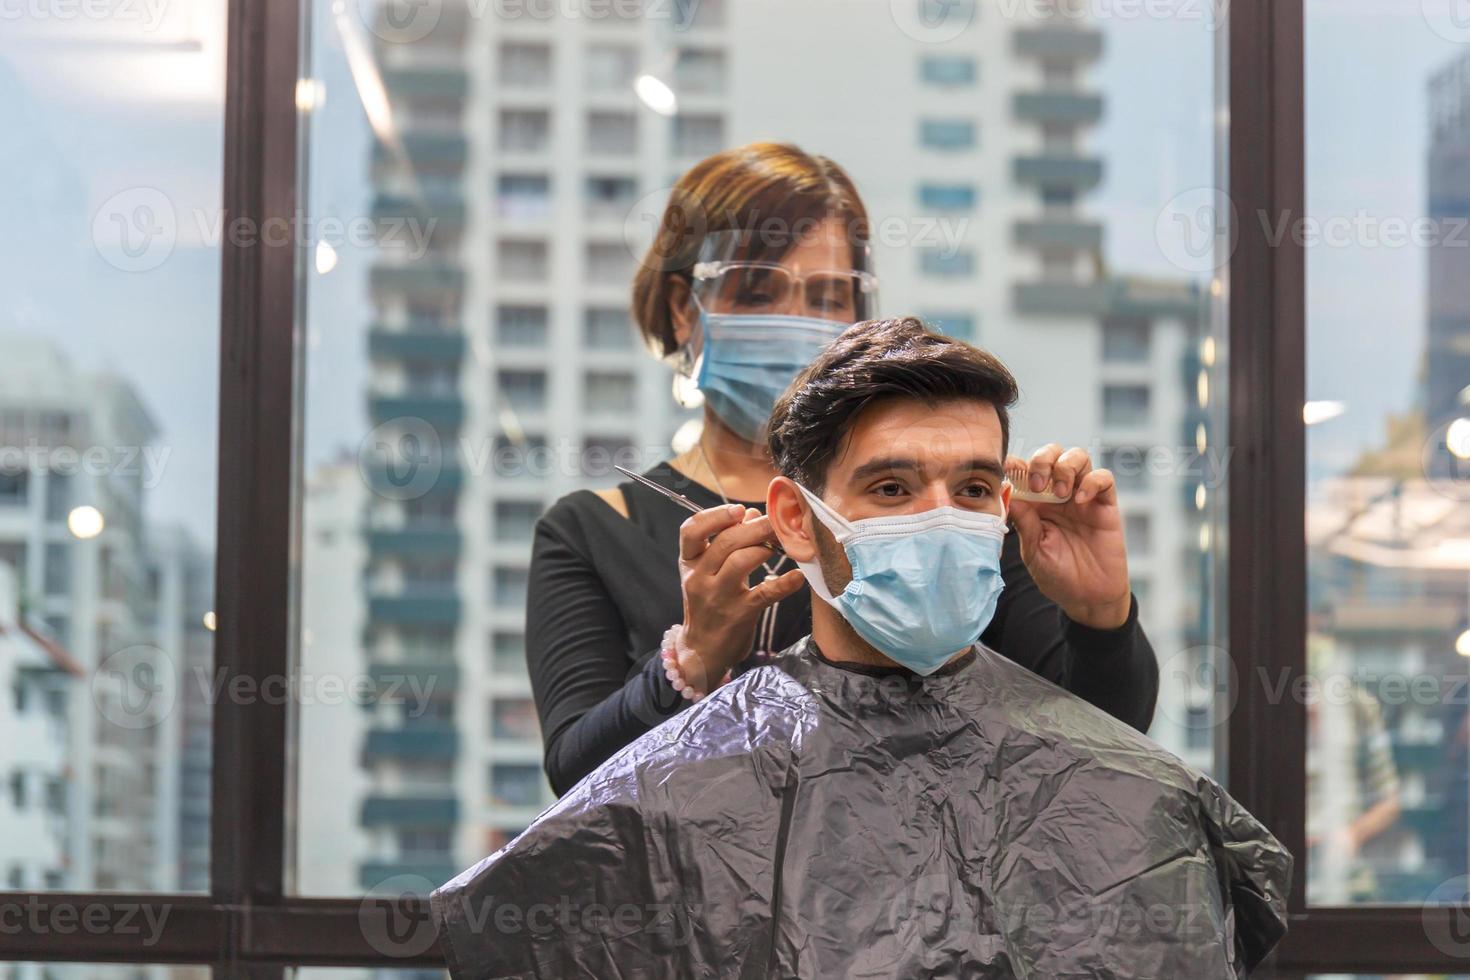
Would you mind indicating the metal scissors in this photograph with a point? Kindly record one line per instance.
(680, 499)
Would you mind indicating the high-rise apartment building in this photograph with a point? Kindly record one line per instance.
(40, 681)
(127, 604)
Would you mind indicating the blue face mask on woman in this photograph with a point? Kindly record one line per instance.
(748, 360)
(924, 586)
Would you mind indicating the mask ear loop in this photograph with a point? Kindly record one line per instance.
(686, 360)
(840, 527)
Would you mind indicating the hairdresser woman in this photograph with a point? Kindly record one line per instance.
(760, 260)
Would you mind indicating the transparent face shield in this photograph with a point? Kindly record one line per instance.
(741, 273)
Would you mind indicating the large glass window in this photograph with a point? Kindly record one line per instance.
(110, 183)
(1388, 465)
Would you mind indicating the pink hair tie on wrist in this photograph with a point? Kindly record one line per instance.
(673, 645)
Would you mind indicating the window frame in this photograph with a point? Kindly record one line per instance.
(250, 926)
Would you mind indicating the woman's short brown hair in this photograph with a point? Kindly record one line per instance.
(770, 188)
(869, 362)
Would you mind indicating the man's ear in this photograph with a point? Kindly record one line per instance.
(791, 519)
(682, 311)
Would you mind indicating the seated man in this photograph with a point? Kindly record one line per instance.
(888, 798)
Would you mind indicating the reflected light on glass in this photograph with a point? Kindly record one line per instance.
(1200, 497)
(85, 522)
(1207, 352)
(1202, 386)
(1457, 438)
(152, 54)
(1201, 439)
(1462, 644)
(311, 93)
(655, 93)
(1315, 413)
(687, 435)
(365, 76)
(209, 621)
(1204, 537)
(326, 258)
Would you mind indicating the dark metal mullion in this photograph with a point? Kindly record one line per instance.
(1377, 939)
(1267, 372)
(160, 928)
(346, 932)
(252, 580)
(137, 928)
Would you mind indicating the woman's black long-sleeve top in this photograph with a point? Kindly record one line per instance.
(604, 588)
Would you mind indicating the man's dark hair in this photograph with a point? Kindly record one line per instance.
(871, 361)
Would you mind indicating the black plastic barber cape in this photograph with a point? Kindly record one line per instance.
(811, 820)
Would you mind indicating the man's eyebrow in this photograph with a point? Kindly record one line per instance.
(873, 467)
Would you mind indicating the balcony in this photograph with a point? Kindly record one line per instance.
(427, 151)
(444, 412)
(441, 609)
(380, 481)
(1081, 235)
(435, 872)
(418, 277)
(420, 344)
(445, 38)
(1057, 107)
(1060, 298)
(1165, 298)
(1059, 43)
(437, 541)
(434, 83)
(1055, 170)
(422, 811)
(425, 677)
(445, 208)
(1118, 297)
(411, 743)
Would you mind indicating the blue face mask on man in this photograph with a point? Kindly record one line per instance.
(924, 586)
(748, 360)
